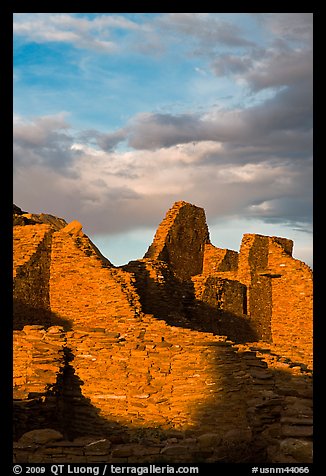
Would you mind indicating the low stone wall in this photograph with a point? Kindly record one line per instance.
(207, 448)
(39, 357)
(279, 412)
(157, 393)
(157, 376)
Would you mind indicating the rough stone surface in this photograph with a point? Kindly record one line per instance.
(39, 437)
(191, 354)
(180, 240)
(74, 228)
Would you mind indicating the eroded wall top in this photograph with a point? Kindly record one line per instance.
(180, 240)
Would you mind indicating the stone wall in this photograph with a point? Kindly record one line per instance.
(174, 400)
(276, 298)
(253, 259)
(32, 245)
(39, 358)
(159, 291)
(153, 360)
(218, 259)
(146, 375)
(84, 289)
(220, 294)
(292, 297)
(180, 240)
(279, 292)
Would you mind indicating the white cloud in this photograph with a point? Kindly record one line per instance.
(267, 172)
(82, 32)
(89, 183)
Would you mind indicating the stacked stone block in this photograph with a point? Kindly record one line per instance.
(84, 289)
(39, 358)
(143, 368)
(32, 245)
(180, 240)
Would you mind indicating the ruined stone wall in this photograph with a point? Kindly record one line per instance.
(292, 296)
(160, 387)
(279, 293)
(146, 374)
(160, 292)
(83, 289)
(27, 240)
(216, 300)
(170, 390)
(200, 303)
(174, 400)
(32, 247)
(253, 260)
(222, 294)
(219, 259)
(180, 240)
(38, 360)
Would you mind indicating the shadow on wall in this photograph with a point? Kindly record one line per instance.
(26, 314)
(246, 424)
(234, 422)
(174, 302)
(63, 408)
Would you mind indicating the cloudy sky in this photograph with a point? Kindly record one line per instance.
(117, 116)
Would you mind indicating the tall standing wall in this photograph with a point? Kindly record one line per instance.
(253, 259)
(32, 250)
(292, 296)
(180, 240)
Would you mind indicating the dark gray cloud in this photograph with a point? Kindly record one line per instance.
(106, 141)
(44, 141)
(281, 68)
(280, 125)
(151, 131)
(109, 141)
(295, 209)
(282, 122)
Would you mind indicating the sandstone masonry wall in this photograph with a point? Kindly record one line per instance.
(83, 289)
(138, 373)
(279, 293)
(292, 297)
(160, 292)
(253, 259)
(157, 377)
(217, 300)
(218, 259)
(32, 244)
(180, 240)
(177, 403)
(38, 360)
